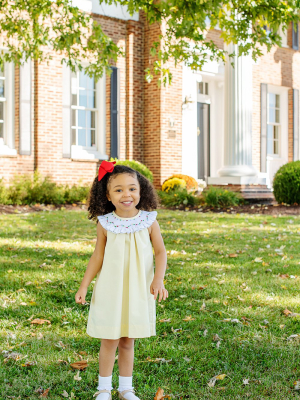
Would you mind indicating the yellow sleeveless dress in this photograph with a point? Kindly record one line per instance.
(121, 303)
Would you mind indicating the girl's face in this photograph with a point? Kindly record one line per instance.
(123, 190)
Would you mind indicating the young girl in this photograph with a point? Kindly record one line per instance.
(123, 301)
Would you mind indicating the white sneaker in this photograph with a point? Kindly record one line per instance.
(103, 395)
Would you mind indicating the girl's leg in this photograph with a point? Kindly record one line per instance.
(125, 361)
(107, 356)
(126, 355)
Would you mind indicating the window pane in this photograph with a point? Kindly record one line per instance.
(82, 98)
(81, 137)
(91, 98)
(276, 132)
(88, 138)
(74, 99)
(1, 88)
(93, 119)
(81, 118)
(277, 115)
(272, 115)
(1, 130)
(74, 136)
(1, 110)
(269, 146)
(206, 88)
(90, 83)
(201, 87)
(277, 100)
(276, 147)
(73, 117)
(93, 138)
(272, 100)
(88, 119)
(82, 79)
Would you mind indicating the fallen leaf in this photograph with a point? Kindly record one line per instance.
(292, 337)
(165, 320)
(159, 394)
(81, 365)
(233, 255)
(213, 380)
(65, 394)
(286, 312)
(29, 364)
(188, 318)
(45, 394)
(40, 321)
(297, 385)
(245, 381)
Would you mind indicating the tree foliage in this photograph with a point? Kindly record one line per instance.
(32, 28)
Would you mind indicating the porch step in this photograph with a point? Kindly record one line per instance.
(253, 193)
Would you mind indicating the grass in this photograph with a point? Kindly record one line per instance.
(217, 272)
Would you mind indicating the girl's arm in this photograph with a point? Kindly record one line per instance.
(157, 285)
(94, 265)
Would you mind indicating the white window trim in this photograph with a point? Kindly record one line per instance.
(283, 134)
(7, 144)
(83, 153)
(273, 155)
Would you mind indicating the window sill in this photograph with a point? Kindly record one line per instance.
(6, 151)
(78, 153)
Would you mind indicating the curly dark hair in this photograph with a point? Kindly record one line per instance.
(98, 204)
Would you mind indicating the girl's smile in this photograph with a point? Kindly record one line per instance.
(124, 193)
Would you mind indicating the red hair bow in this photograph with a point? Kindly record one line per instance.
(105, 166)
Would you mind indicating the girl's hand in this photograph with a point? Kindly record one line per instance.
(80, 295)
(157, 287)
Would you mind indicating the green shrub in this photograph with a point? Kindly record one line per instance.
(286, 183)
(177, 198)
(219, 197)
(173, 184)
(136, 165)
(3, 192)
(27, 189)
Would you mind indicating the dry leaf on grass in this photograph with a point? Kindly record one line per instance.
(77, 377)
(188, 318)
(45, 393)
(39, 321)
(213, 380)
(81, 365)
(233, 255)
(245, 381)
(65, 394)
(159, 394)
(165, 320)
(297, 385)
(286, 312)
(29, 364)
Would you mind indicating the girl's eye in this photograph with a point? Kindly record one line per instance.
(118, 190)
(132, 189)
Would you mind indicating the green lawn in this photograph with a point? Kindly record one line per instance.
(223, 278)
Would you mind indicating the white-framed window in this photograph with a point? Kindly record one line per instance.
(84, 110)
(2, 102)
(84, 115)
(7, 110)
(273, 124)
(203, 88)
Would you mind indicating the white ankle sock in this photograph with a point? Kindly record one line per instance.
(125, 382)
(104, 383)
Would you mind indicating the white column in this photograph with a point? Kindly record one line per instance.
(238, 117)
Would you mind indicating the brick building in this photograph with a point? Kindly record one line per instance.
(226, 125)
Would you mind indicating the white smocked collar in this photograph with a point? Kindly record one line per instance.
(113, 223)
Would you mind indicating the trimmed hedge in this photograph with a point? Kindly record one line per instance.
(219, 197)
(286, 183)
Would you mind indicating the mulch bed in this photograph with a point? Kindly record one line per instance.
(269, 209)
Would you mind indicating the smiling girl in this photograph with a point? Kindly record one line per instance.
(123, 301)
